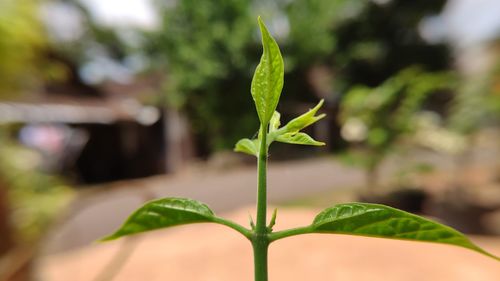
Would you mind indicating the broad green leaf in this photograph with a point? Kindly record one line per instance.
(247, 146)
(304, 120)
(385, 222)
(163, 213)
(298, 138)
(267, 81)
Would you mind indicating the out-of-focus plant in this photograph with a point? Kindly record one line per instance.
(21, 38)
(209, 48)
(354, 41)
(35, 198)
(376, 119)
(312, 24)
(475, 106)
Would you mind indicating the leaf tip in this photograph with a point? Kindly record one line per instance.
(263, 28)
(106, 238)
(259, 20)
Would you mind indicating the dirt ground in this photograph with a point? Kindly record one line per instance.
(207, 252)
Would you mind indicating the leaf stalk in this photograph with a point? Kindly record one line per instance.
(260, 239)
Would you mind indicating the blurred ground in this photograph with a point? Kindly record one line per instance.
(208, 252)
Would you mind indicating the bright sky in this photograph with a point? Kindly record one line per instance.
(472, 21)
(123, 12)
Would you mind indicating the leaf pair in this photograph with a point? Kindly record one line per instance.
(360, 219)
(290, 133)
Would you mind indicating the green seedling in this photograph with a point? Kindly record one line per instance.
(362, 219)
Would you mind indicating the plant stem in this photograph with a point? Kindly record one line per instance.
(260, 240)
(260, 246)
(247, 233)
(289, 232)
(260, 226)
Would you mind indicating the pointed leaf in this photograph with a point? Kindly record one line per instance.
(247, 146)
(298, 138)
(163, 213)
(385, 222)
(304, 120)
(267, 81)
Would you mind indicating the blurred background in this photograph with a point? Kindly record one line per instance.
(107, 104)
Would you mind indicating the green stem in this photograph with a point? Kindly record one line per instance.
(260, 240)
(260, 246)
(247, 233)
(289, 232)
(260, 226)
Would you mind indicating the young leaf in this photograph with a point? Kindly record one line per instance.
(304, 120)
(298, 138)
(168, 212)
(385, 222)
(275, 123)
(267, 81)
(247, 146)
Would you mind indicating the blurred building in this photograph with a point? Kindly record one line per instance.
(87, 110)
(101, 136)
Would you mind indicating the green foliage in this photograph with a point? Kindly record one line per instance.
(21, 38)
(476, 103)
(35, 197)
(354, 218)
(312, 25)
(210, 49)
(377, 118)
(304, 120)
(290, 133)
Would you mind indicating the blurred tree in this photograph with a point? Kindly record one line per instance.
(362, 42)
(210, 50)
(21, 39)
(92, 55)
(475, 105)
(376, 119)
